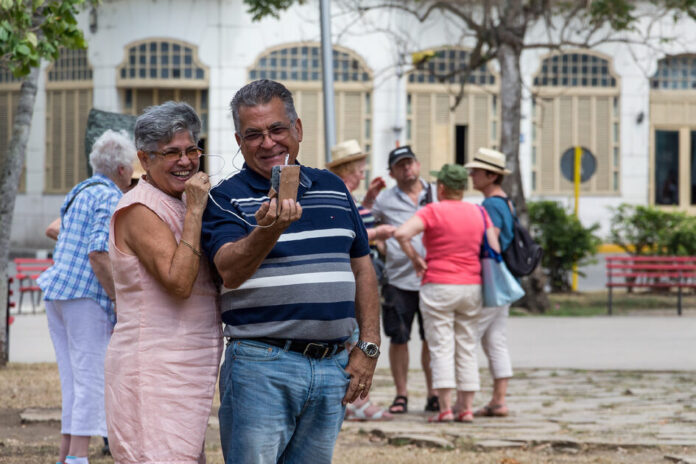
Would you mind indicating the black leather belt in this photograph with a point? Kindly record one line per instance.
(315, 350)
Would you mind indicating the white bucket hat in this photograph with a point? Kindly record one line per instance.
(490, 160)
(345, 152)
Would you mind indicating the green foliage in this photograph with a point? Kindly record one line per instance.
(564, 239)
(645, 230)
(618, 13)
(34, 29)
(258, 9)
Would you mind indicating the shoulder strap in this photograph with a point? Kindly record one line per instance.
(509, 203)
(67, 207)
(483, 218)
(429, 194)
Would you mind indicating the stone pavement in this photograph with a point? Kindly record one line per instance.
(564, 409)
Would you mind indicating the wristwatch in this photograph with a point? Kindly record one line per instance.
(370, 349)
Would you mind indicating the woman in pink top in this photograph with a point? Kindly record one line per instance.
(450, 294)
(162, 362)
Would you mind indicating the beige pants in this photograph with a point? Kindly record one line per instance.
(450, 314)
(492, 329)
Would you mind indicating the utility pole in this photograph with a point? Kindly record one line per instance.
(327, 78)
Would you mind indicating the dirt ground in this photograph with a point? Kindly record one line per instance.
(37, 386)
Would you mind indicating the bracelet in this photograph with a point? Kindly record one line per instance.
(196, 252)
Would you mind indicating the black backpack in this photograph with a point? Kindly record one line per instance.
(524, 254)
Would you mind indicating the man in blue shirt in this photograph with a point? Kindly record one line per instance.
(295, 280)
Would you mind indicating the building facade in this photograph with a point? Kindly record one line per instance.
(634, 111)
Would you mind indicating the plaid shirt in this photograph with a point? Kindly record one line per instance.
(84, 229)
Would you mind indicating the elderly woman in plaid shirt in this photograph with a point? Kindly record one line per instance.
(79, 293)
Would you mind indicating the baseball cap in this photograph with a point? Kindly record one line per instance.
(400, 153)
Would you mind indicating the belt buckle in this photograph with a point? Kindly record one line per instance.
(311, 350)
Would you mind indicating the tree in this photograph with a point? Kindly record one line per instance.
(30, 30)
(499, 30)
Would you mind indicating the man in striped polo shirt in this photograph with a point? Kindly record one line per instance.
(295, 280)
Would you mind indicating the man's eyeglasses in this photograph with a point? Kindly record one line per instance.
(276, 133)
(173, 154)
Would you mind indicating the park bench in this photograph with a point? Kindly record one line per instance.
(665, 272)
(27, 270)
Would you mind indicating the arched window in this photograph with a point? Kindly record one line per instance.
(574, 70)
(673, 133)
(158, 70)
(303, 63)
(439, 132)
(576, 102)
(675, 72)
(298, 67)
(445, 66)
(68, 101)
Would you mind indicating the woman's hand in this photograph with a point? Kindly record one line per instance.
(419, 265)
(376, 185)
(196, 189)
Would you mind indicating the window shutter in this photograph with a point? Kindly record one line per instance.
(548, 158)
(566, 118)
(312, 129)
(423, 131)
(442, 139)
(603, 144)
(479, 131)
(352, 117)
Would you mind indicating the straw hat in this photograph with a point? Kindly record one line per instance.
(490, 160)
(345, 152)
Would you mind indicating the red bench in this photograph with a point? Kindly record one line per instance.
(651, 272)
(27, 270)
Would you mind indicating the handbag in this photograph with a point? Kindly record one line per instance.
(499, 286)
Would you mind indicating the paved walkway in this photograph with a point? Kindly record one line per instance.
(563, 409)
(656, 343)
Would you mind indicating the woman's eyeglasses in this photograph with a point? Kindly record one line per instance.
(173, 154)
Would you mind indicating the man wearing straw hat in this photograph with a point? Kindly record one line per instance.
(395, 206)
(487, 170)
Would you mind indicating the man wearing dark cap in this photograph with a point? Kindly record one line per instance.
(395, 206)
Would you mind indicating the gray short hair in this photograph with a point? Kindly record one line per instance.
(159, 124)
(111, 150)
(260, 92)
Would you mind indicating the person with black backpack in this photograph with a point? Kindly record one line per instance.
(487, 170)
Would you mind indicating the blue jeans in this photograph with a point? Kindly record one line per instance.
(278, 405)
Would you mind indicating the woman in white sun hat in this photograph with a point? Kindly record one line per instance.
(487, 171)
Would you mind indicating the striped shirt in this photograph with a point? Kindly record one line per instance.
(366, 216)
(84, 228)
(305, 287)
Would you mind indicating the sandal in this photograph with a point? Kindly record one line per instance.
(465, 416)
(399, 405)
(492, 410)
(444, 416)
(433, 404)
(367, 412)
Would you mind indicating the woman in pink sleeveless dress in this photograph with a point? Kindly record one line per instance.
(162, 362)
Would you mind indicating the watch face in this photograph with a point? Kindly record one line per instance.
(371, 350)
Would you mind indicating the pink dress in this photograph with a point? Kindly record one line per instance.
(162, 362)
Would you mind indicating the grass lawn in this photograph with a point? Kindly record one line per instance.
(595, 303)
